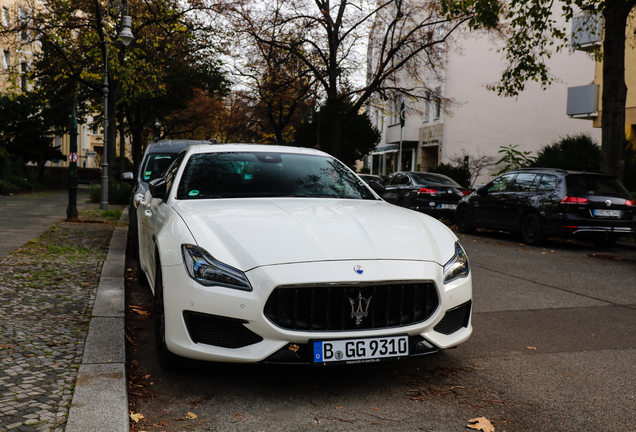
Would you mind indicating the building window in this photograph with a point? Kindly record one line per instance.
(24, 24)
(6, 59)
(24, 78)
(427, 107)
(438, 103)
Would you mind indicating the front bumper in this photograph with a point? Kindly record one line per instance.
(231, 325)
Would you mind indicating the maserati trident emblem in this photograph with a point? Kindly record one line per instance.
(608, 203)
(358, 269)
(359, 307)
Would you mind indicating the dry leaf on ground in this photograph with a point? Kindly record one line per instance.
(482, 424)
(191, 416)
(136, 417)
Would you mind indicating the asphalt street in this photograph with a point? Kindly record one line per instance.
(25, 216)
(553, 349)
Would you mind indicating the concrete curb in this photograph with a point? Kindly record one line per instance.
(100, 400)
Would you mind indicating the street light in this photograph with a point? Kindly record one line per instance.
(126, 37)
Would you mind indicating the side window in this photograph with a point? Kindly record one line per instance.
(522, 183)
(548, 183)
(500, 183)
(172, 172)
(403, 179)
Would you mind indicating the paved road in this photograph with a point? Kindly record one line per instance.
(37, 212)
(553, 349)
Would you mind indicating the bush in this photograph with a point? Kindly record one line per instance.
(118, 193)
(579, 153)
(456, 172)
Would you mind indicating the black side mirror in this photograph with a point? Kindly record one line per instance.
(482, 191)
(128, 177)
(377, 187)
(157, 188)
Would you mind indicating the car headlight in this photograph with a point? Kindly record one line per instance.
(207, 271)
(458, 265)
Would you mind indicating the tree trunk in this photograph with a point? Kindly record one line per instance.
(614, 88)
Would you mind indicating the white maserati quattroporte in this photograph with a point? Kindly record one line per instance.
(273, 254)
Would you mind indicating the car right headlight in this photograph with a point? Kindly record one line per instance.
(203, 268)
(457, 266)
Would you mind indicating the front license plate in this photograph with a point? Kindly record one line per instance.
(607, 213)
(448, 206)
(353, 351)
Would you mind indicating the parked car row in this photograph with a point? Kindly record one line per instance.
(534, 202)
(283, 255)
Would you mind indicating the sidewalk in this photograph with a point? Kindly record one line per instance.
(62, 350)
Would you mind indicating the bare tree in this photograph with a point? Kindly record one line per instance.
(331, 37)
(476, 163)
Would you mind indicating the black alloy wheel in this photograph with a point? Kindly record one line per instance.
(462, 220)
(167, 360)
(531, 230)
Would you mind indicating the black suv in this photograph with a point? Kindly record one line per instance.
(542, 202)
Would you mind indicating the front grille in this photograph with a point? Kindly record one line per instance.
(219, 331)
(334, 307)
(454, 319)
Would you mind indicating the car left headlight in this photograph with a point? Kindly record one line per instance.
(203, 268)
(457, 266)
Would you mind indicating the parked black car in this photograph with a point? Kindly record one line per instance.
(370, 177)
(430, 193)
(542, 202)
(157, 157)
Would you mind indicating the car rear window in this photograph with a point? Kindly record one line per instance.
(259, 174)
(424, 179)
(582, 185)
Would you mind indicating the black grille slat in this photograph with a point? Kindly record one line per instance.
(329, 308)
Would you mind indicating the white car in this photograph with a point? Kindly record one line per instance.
(260, 253)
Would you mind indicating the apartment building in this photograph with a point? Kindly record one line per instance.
(476, 121)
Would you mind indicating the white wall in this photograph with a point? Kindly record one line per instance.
(485, 121)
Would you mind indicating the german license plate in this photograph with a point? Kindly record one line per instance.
(607, 213)
(448, 206)
(353, 351)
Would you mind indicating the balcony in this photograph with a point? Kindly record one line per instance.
(583, 101)
(587, 31)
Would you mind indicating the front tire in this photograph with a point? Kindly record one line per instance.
(532, 230)
(167, 360)
(462, 220)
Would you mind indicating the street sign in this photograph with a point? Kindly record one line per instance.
(90, 153)
(72, 157)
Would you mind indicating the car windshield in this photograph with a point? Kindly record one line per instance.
(156, 165)
(425, 179)
(261, 174)
(595, 185)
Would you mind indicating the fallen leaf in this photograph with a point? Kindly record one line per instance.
(191, 416)
(482, 424)
(136, 417)
(532, 348)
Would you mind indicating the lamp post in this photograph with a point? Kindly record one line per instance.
(126, 37)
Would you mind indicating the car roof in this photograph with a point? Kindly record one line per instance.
(558, 170)
(172, 146)
(226, 148)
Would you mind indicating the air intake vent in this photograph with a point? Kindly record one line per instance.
(219, 331)
(454, 319)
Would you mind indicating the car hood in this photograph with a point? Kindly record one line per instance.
(248, 233)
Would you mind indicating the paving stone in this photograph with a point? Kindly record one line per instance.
(47, 292)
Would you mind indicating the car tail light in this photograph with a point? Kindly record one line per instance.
(574, 200)
(630, 203)
(427, 191)
(465, 193)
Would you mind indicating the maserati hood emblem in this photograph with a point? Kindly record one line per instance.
(608, 203)
(358, 269)
(359, 307)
